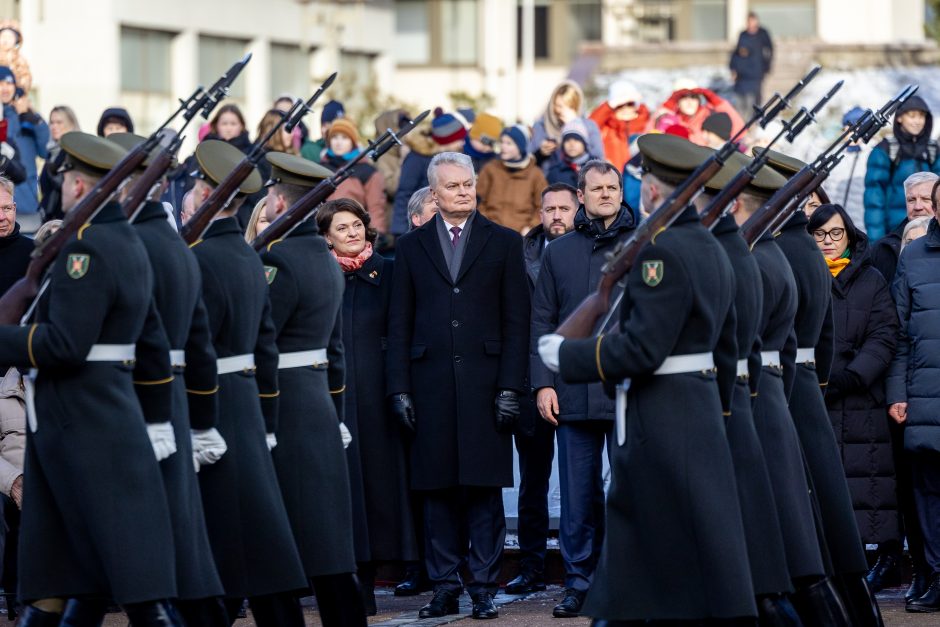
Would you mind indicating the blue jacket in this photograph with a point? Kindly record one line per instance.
(884, 189)
(31, 134)
(571, 269)
(914, 376)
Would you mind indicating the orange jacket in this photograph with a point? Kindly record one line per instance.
(616, 133)
(713, 104)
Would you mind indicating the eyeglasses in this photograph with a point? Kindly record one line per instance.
(8, 208)
(835, 235)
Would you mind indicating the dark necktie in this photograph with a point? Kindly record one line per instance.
(456, 238)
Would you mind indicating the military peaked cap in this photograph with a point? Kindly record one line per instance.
(294, 170)
(129, 141)
(217, 159)
(764, 184)
(90, 154)
(671, 158)
(784, 164)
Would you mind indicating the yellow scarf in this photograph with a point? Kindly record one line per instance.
(837, 265)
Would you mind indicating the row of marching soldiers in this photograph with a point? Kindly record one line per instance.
(728, 499)
(184, 451)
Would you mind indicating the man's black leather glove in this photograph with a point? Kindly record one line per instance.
(507, 410)
(404, 410)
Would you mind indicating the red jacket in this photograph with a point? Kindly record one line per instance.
(713, 104)
(616, 133)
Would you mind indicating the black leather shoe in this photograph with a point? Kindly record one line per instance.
(884, 573)
(483, 606)
(859, 601)
(570, 606)
(919, 584)
(525, 582)
(34, 617)
(413, 584)
(444, 602)
(775, 610)
(152, 614)
(818, 603)
(84, 613)
(930, 601)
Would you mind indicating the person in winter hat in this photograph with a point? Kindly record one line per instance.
(574, 154)
(510, 188)
(313, 150)
(910, 149)
(482, 140)
(27, 139)
(716, 129)
(366, 185)
(692, 105)
(115, 120)
(621, 117)
(565, 104)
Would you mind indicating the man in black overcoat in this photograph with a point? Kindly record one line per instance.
(457, 359)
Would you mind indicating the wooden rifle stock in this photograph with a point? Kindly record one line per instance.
(216, 202)
(300, 210)
(716, 208)
(17, 299)
(145, 181)
(755, 226)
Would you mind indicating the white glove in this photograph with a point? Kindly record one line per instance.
(549, 347)
(7, 150)
(162, 439)
(345, 435)
(271, 440)
(208, 447)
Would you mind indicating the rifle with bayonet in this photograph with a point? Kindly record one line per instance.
(773, 214)
(791, 129)
(307, 204)
(200, 102)
(226, 190)
(583, 320)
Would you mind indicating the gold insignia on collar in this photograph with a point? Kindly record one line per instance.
(373, 274)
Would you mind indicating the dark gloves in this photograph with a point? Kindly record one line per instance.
(507, 410)
(404, 410)
(842, 383)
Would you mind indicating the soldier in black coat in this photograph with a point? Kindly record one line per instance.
(95, 521)
(248, 525)
(674, 547)
(306, 298)
(457, 353)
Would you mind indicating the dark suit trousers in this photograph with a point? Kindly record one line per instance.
(478, 510)
(907, 506)
(536, 452)
(926, 475)
(580, 468)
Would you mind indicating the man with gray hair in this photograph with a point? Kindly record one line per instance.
(918, 190)
(421, 208)
(456, 369)
(15, 248)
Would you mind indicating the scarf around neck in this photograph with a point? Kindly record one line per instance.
(838, 265)
(351, 264)
(518, 165)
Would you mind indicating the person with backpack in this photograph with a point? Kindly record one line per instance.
(910, 149)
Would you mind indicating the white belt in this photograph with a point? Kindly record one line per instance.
(806, 355)
(678, 364)
(742, 368)
(238, 363)
(178, 358)
(111, 352)
(299, 359)
(770, 358)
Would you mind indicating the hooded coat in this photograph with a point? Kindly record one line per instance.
(511, 196)
(549, 127)
(617, 133)
(884, 177)
(865, 323)
(414, 173)
(710, 103)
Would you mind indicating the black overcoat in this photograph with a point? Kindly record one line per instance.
(178, 297)
(306, 289)
(813, 329)
(779, 439)
(453, 345)
(674, 547)
(378, 448)
(95, 517)
(245, 514)
(865, 324)
(765, 548)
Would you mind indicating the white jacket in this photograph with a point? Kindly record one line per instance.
(12, 429)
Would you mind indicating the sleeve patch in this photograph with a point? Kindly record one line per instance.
(77, 265)
(269, 273)
(653, 272)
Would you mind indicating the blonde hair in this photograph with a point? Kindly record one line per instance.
(570, 95)
(277, 142)
(252, 231)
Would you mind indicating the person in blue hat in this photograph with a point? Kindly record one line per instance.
(313, 150)
(847, 181)
(29, 133)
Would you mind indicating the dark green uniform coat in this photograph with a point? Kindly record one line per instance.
(775, 429)
(306, 288)
(813, 326)
(377, 461)
(765, 547)
(95, 517)
(675, 545)
(178, 298)
(245, 515)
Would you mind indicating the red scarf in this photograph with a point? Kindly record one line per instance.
(351, 264)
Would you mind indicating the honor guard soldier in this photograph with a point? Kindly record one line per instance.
(95, 519)
(675, 547)
(306, 288)
(765, 545)
(245, 515)
(814, 352)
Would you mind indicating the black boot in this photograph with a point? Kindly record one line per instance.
(152, 614)
(859, 601)
(884, 573)
(339, 600)
(930, 601)
(208, 612)
(415, 581)
(276, 610)
(84, 613)
(775, 610)
(919, 584)
(819, 605)
(366, 576)
(34, 617)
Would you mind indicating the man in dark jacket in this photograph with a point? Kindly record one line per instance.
(458, 339)
(582, 413)
(918, 203)
(535, 438)
(15, 247)
(750, 63)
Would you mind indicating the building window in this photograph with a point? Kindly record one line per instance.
(290, 72)
(542, 32)
(586, 21)
(458, 30)
(412, 32)
(216, 55)
(443, 32)
(787, 18)
(709, 20)
(358, 77)
(145, 60)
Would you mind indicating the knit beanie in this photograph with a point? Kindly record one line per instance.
(576, 129)
(485, 127)
(332, 110)
(6, 75)
(447, 128)
(343, 126)
(520, 135)
(852, 116)
(115, 114)
(718, 123)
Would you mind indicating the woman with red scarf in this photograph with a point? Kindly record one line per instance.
(382, 520)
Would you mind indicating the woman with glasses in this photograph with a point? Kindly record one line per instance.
(865, 327)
